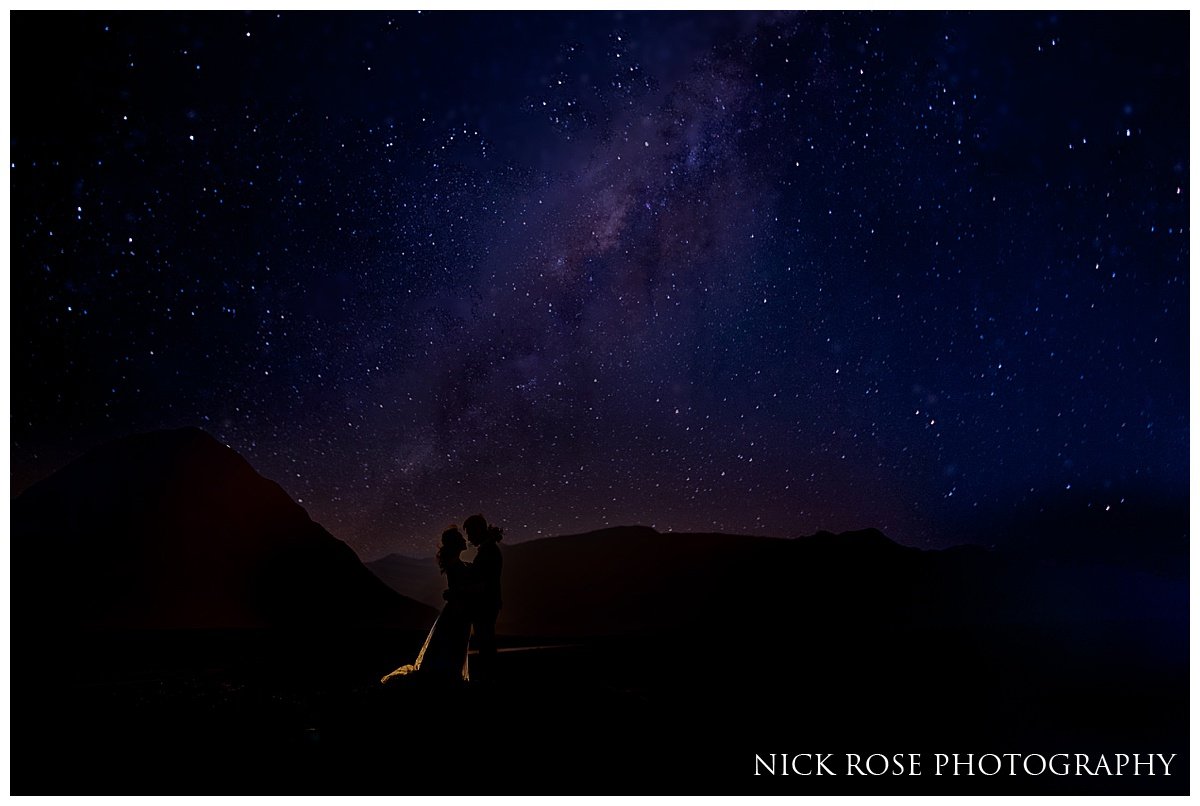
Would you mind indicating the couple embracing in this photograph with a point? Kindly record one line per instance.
(472, 604)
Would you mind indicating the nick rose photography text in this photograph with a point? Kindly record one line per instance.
(804, 764)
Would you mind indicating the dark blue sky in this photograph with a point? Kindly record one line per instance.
(762, 273)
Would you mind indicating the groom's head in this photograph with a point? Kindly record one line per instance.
(476, 529)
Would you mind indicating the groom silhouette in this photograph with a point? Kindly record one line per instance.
(486, 605)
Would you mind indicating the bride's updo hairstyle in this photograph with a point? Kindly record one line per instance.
(453, 544)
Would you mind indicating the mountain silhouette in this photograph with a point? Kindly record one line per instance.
(634, 579)
(129, 562)
(172, 529)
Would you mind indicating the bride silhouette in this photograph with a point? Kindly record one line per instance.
(443, 656)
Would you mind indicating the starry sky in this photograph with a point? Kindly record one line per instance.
(765, 273)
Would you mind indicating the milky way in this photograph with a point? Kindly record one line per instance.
(763, 273)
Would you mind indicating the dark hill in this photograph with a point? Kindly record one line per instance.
(628, 580)
(631, 579)
(173, 529)
(635, 579)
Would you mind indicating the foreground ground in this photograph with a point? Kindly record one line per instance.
(685, 714)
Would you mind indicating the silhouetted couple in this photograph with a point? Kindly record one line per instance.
(472, 604)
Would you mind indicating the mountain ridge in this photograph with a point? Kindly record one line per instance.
(175, 529)
(635, 578)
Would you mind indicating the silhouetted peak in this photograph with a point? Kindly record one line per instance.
(188, 440)
(152, 455)
(623, 531)
(172, 447)
(173, 528)
(607, 534)
(859, 539)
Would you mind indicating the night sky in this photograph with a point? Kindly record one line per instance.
(762, 273)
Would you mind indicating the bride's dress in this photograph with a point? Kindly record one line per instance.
(444, 653)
